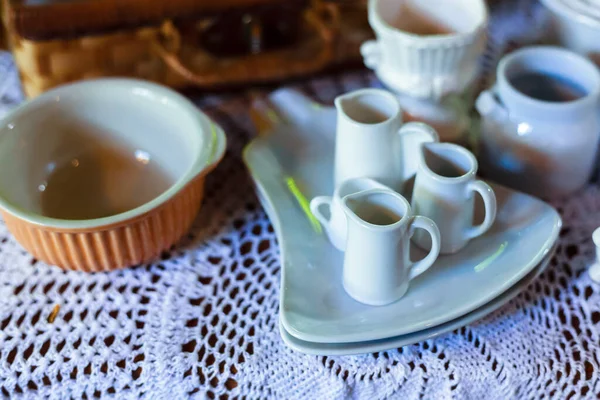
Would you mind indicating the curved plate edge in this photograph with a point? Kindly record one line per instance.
(349, 348)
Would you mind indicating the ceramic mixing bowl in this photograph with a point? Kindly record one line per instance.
(104, 174)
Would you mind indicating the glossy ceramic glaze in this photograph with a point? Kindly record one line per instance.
(314, 305)
(426, 66)
(328, 210)
(371, 140)
(102, 136)
(540, 147)
(594, 269)
(576, 24)
(449, 198)
(342, 349)
(377, 263)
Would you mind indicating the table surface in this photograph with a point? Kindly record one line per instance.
(203, 320)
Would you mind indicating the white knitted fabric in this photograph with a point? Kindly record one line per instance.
(202, 322)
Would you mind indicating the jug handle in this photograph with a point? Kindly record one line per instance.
(315, 208)
(419, 133)
(423, 265)
(489, 201)
(488, 104)
(371, 52)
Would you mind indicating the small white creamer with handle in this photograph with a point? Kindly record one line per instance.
(371, 140)
(335, 224)
(444, 191)
(377, 264)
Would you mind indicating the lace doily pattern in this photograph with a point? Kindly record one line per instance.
(202, 322)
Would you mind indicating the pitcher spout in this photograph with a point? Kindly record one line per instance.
(376, 211)
(368, 106)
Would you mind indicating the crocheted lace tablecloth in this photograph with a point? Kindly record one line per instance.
(202, 321)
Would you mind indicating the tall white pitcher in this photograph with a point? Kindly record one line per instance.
(372, 142)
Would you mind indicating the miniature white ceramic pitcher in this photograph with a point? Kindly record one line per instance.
(371, 140)
(444, 191)
(377, 265)
(336, 226)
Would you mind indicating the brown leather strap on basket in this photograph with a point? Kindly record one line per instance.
(271, 65)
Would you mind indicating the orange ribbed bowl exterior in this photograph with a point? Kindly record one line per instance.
(123, 244)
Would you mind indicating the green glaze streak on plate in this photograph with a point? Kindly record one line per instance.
(304, 204)
(485, 263)
(272, 115)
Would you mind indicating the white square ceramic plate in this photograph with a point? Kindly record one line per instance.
(294, 162)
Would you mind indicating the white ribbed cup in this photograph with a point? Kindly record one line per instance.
(576, 25)
(427, 66)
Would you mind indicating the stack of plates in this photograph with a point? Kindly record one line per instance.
(292, 161)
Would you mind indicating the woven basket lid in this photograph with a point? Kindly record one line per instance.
(51, 19)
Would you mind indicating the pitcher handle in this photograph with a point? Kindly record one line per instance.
(423, 265)
(412, 136)
(488, 105)
(371, 52)
(489, 201)
(315, 208)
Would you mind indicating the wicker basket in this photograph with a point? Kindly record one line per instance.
(59, 42)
